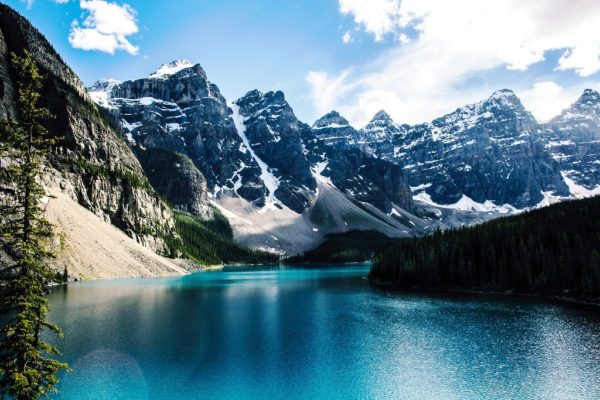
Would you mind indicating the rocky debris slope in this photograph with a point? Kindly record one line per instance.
(90, 248)
(90, 162)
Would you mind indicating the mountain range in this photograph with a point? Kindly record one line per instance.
(285, 184)
(132, 152)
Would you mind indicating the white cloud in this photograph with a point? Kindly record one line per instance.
(105, 27)
(327, 90)
(28, 3)
(347, 38)
(453, 42)
(61, 1)
(378, 17)
(546, 99)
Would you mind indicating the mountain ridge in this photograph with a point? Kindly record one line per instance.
(480, 161)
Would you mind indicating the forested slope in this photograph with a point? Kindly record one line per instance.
(554, 250)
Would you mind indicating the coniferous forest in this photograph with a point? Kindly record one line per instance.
(212, 242)
(550, 251)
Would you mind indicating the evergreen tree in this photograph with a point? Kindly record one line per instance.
(28, 369)
(552, 251)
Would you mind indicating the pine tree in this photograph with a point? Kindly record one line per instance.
(28, 369)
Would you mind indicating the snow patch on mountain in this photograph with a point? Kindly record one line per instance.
(271, 181)
(171, 68)
(317, 171)
(467, 204)
(100, 92)
(578, 191)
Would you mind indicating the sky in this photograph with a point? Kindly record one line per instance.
(415, 59)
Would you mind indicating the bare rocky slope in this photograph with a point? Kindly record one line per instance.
(90, 164)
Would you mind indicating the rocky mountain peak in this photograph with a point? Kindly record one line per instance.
(584, 111)
(503, 98)
(332, 119)
(100, 91)
(269, 104)
(589, 98)
(104, 85)
(379, 121)
(166, 70)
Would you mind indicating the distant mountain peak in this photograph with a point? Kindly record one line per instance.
(381, 115)
(380, 119)
(589, 97)
(100, 91)
(333, 119)
(504, 97)
(171, 68)
(104, 85)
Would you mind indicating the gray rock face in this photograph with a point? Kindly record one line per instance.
(274, 133)
(179, 110)
(489, 151)
(91, 162)
(347, 157)
(176, 177)
(380, 134)
(334, 130)
(369, 180)
(573, 139)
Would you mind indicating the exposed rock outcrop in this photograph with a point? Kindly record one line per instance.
(90, 161)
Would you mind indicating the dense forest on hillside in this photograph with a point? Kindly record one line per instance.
(554, 250)
(211, 242)
(351, 246)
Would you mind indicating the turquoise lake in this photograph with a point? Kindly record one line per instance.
(318, 333)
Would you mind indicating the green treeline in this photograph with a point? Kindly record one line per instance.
(351, 246)
(554, 250)
(211, 242)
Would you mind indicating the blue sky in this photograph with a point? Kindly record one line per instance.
(416, 59)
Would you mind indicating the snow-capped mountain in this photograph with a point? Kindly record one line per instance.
(279, 183)
(573, 139)
(284, 184)
(380, 133)
(274, 135)
(179, 110)
(335, 130)
(489, 153)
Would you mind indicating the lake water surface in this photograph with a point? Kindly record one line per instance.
(319, 333)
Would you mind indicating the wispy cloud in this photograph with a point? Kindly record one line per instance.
(105, 27)
(450, 43)
(28, 3)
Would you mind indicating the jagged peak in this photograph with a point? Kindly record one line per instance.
(333, 119)
(504, 98)
(171, 68)
(256, 96)
(381, 121)
(589, 97)
(104, 85)
(381, 117)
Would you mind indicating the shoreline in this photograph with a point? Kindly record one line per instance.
(562, 300)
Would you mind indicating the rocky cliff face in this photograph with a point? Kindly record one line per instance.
(176, 177)
(490, 152)
(380, 134)
(178, 110)
(90, 162)
(274, 134)
(573, 139)
(334, 130)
